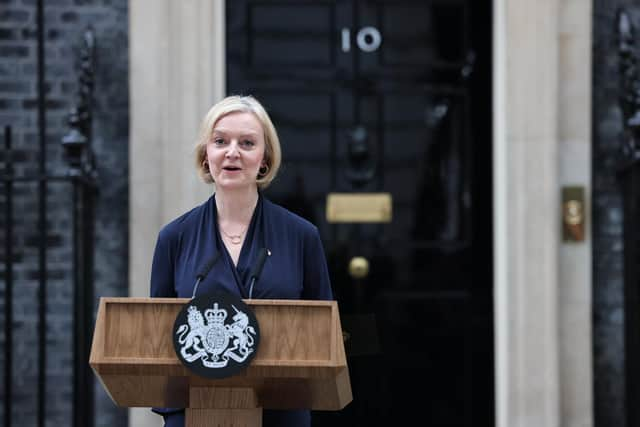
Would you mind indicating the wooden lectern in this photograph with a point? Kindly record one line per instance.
(300, 361)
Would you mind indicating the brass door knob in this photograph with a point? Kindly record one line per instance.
(358, 267)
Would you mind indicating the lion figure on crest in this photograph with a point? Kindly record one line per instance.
(195, 337)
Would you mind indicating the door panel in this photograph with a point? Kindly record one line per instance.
(394, 97)
(306, 41)
(421, 34)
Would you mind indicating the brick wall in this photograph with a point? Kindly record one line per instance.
(65, 21)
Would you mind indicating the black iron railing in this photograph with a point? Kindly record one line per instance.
(81, 178)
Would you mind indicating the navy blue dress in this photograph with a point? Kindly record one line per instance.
(296, 269)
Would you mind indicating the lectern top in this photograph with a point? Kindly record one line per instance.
(301, 354)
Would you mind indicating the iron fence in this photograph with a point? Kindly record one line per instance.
(81, 179)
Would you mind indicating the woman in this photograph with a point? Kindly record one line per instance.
(239, 151)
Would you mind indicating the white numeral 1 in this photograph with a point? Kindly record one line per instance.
(346, 40)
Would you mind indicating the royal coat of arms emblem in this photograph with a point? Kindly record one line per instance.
(216, 335)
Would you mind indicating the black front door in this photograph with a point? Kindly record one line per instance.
(388, 97)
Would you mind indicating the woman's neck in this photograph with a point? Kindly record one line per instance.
(236, 205)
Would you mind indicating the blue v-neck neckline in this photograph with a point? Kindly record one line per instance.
(239, 270)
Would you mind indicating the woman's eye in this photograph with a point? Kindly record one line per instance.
(248, 143)
(218, 141)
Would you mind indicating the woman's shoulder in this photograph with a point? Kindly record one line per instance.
(283, 217)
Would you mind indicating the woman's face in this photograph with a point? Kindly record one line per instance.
(236, 150)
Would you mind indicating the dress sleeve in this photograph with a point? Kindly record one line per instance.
(162, 267)
(317, 284)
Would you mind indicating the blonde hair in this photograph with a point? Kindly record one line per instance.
(244, 104)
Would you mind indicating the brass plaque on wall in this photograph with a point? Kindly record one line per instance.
(359, 207)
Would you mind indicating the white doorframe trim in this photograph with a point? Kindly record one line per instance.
(526, 238)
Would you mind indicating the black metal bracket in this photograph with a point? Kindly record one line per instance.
(76, 142)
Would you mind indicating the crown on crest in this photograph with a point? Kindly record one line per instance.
(215, 314)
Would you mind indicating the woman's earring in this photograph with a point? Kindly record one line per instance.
(264, 169)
